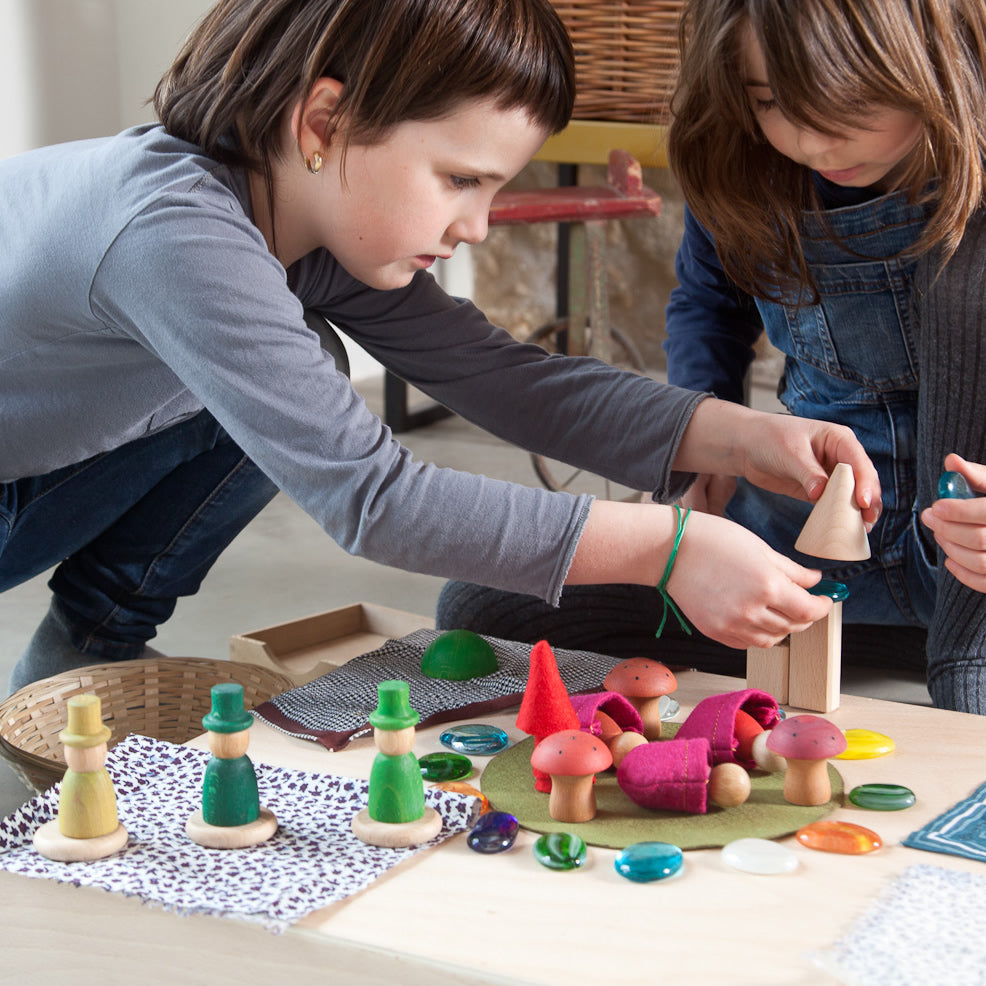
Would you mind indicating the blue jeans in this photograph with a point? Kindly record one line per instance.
(853, 358)
(130, 530)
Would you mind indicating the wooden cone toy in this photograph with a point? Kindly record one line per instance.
(835, 528)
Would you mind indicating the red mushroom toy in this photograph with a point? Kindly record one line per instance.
(806, 743)
(643, 682)
(572, 758)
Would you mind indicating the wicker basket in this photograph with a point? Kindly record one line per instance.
(164, 698)
(626, 57)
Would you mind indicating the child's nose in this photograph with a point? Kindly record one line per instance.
(472, 226)
(815, 142)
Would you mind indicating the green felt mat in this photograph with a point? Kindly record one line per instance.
(509, 785)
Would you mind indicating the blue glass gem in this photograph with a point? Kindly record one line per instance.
(494, 832)
(836, 591)
(644, 862)
(444, 766)
(477, 738)
(953, 486)
(882, 797)
(560, 851)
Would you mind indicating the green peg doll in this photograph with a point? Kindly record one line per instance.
(396, 814)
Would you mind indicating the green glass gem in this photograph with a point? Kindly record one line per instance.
(560, 851)
(953, 486)
(458, 655)
(836, 591)
(444, 766)
(882, 797)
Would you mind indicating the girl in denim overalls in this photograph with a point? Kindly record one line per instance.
(831, 160)
(833, 172)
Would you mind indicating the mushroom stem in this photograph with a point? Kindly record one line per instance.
(650, 714)
(806, 782)
(572, 798)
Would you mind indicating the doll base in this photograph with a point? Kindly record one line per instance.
(231, 836)
(397, 835)
(52, 844)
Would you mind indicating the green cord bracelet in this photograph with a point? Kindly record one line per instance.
(662, 586)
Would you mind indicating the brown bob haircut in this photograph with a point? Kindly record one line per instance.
(248, 62)
(828, 61)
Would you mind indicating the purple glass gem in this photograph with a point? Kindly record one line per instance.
(494, 832)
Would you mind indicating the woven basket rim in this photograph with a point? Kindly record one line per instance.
(41, 702)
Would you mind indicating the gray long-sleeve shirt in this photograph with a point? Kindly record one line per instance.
(137, 290)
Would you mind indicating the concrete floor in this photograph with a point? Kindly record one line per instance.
(283, 567)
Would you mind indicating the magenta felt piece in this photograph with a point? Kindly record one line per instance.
(616, 706)
(714, 719)
(667, 775)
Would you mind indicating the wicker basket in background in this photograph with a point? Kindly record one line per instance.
(164, 698)
(626, 57)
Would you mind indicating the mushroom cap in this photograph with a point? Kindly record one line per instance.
(571, 753)
(806, 738)
(640, 677)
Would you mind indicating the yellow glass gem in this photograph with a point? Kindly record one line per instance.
(864, 744)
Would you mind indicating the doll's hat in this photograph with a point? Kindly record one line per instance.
(85, 725)
(228, 714)
(393, 709)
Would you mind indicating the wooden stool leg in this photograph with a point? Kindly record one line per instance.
(816, 664)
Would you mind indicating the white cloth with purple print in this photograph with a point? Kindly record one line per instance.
(312, 861)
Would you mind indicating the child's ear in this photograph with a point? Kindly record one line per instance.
(312, 120)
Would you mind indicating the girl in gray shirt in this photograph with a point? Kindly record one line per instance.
(159, 381)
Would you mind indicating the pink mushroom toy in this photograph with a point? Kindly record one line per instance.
(572, 758)
(643, 681)
(806, 743)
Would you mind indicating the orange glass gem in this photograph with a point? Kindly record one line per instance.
(461, 787)
(845, 838)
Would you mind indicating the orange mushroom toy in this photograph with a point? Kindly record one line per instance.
(806, 743)
(643, 682)
(572, 758)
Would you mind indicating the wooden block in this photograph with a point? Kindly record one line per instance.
(767, 668)
(816, 664)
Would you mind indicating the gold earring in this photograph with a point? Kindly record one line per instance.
(314, 165)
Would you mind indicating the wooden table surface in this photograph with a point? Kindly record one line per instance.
(468, 918)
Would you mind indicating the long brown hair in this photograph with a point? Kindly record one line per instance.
(248, 62)
(828, 61)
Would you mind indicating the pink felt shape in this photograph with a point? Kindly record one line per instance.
(714, 719)
(620, 709)
(667, 775)
(545, 708)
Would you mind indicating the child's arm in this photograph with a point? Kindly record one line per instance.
(728, 582)
(959, 526)
(778, 452)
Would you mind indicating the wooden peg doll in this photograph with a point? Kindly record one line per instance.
(396, 815)
(87, 826)
(231, 815)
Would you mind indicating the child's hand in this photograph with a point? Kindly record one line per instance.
(959, 526)
(710, 494)
(796, 456)
(736, 589)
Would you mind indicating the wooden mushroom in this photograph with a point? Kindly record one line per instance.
(643, 682)
(806, 743)
(572, 758)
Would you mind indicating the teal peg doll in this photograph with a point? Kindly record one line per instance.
(231, 816)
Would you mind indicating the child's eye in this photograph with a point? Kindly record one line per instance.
(764, 105)
(461, 183)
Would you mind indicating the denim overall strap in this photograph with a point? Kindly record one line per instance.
(852, 358)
